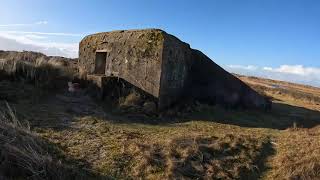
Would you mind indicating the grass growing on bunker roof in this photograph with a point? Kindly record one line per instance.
(149, 43)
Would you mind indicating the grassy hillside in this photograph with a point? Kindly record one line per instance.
(77, 137)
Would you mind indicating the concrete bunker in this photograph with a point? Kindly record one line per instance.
(162, 66)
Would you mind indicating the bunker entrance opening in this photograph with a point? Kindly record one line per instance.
(100, 63)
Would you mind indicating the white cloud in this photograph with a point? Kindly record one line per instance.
(34, 42)
(268, 68)
(249, 67)
(24, 24)
(296, 69)
(291, 73)
(43, 33)
(44, 42)
(42, 22)
(32, 36)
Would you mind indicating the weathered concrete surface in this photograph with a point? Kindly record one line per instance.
(164, 67)
(132, 55)
(176, 65)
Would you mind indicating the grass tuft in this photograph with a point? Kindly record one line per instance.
(41, 72)
(24, 155)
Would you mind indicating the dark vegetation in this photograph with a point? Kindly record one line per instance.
(123, 97)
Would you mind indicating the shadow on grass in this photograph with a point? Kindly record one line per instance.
(267, 151)
(70, 168)
(282, 116)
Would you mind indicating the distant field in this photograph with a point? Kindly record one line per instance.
(75, 136)
(296, 94)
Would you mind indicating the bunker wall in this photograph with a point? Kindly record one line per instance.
(175, 68)
(135, 56)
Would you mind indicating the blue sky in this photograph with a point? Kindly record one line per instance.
(255, 37)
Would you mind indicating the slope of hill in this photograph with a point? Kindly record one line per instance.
(296, 94)
(85, 138)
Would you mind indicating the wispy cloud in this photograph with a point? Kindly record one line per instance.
(32, 36)
(24, 24)
(42, 22)
(295, 69)
(38, 41)
(45, 42)
(43, 33)
(248, 67)
(291, 73)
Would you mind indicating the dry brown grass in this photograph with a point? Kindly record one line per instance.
(182, 151)
(40, 72)
(24, 155)
(199, 157)
(295, 94)
(132, 99)
(288, 93)
(298, 155)
(298, 149)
